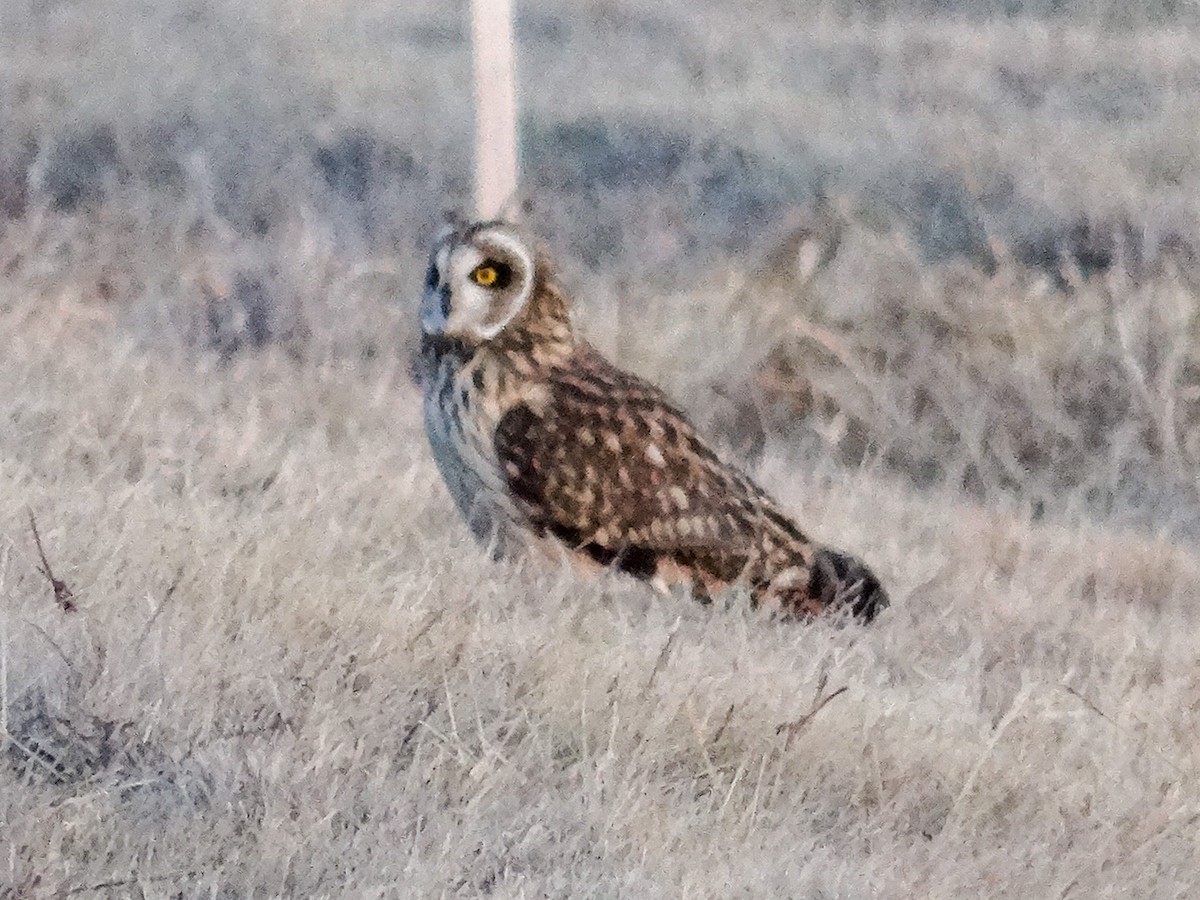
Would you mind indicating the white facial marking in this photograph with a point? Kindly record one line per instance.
(522, 286)
(481, 312)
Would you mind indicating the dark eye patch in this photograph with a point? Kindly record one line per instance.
(504, 274)
(431, 276)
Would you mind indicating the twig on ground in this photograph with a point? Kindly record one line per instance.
(133, 880)
(663, 654)
(1121, 728)
(430, 706)
(432, 619)
(41, 632)
(63, 595)
(724, 724)
(795, 727)
(167, 595)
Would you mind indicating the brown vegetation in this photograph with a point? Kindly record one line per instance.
(934, 274)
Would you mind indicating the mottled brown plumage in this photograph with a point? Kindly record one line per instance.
(542, 440)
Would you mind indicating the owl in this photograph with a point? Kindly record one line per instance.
(544, 444)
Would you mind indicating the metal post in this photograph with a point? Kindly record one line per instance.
(495, 106)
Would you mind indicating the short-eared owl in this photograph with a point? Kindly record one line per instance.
(541, 440)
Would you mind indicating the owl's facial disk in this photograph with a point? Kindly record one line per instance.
(477, 282)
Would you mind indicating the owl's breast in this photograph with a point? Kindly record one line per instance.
(460, 433)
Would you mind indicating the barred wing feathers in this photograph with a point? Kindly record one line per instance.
(607, 465)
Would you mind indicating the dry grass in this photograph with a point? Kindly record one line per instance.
(314, 686)
(275, 666)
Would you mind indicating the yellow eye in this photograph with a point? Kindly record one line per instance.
(486, 275)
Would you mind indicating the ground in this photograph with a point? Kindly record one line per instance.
(275, 665)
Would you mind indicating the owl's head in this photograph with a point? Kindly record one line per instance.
(481, 277)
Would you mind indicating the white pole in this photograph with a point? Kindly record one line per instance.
(495, 106)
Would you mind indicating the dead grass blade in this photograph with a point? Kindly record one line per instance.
(63, 595)
(793, 728)
(662, 655)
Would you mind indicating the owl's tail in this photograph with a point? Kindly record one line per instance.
(847, 583)
(834, 581)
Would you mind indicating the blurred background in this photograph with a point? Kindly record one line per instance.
(950, 240)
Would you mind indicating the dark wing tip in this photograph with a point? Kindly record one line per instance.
(845, 582)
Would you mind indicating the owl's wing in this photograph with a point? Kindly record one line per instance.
(600, 459)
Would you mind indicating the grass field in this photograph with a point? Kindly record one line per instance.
(276, 665)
